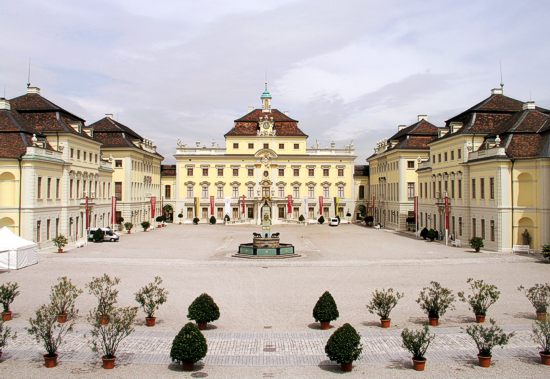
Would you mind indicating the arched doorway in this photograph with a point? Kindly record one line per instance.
(525, 232)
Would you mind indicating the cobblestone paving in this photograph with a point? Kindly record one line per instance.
(273, 348)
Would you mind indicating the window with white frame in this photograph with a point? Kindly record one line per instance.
(410, 190)
(340, 191)
(310, 192)
(235, 191)
(296, 192)
(220, 192)
(250, 192)
(281, 191)
(204, 191)
(189, 191)
(326, 192)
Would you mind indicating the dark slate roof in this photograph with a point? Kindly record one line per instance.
(361, 170)
(108, 125)
(34, 102)
(248, 125)
(168, 170)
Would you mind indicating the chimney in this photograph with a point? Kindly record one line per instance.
(4, 104)
(33, 90)
(109, 115)
(497, 91)
(529, 105)
(422, 117)
(401, 127)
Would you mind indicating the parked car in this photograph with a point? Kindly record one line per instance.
(334, 222)
(108, 234)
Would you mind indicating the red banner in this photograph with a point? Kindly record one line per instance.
(321, 205)
(113, 210)
(289, 205)
(446, 212)
(242, 205)
(153, 206)
(211, 205)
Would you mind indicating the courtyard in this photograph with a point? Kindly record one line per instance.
(266, 328)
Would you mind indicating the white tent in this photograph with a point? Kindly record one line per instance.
(16, 252)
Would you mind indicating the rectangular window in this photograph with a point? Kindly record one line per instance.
(250, 192)
(460, 188)
(235, 172)
(205, 192)
(311, 172)
(281, 172)
(453, 226)
(492, 231)
(452, 189)
(492, 188)
(118, 162)
(473, 188)
(445, 156)
(39, 188)
(340, 191)
(72, 152)
(220, 171)
(310, 192)
(296, 171)
(420, 188)
(459, 154)
(38, 231)
(235, 145)
(473, 227)
(340, 172)
(281, 191)
(49, 188)
(266, 146)
(48, 230)
(296, 146)
(78, 154)
(250, 172)
(220, 213)
(189, 213)
(483, 228)
(410, 190)
(452, 155)
(439, 158)
(251, 146)
(326, 192)
(325, 172)
(95, 158)
(220, 192)
(205, 171)
(281, 146)
(296, 192)
(118, 191)
(235, 191)
(189, 192)
(189, 171)
(84, 156)
(460, 226)
(56, 227)
(433, 158)
(167, 192)
(57, 188)
(410, 164)
(426, 190)
(482, 188)
(361, 192)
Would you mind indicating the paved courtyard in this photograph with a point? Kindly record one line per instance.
(266, 328)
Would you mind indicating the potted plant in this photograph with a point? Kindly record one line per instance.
(476, 243)
(151, 297)
(344, 347)
(435, 301)
(98, 235)
(46, 330)
(5, 335)
(189, 346)
(180, 216)
(63, 297)
(103, 288)
(424, 233)
(128, 226)
(227, 218)
(301, 218)
(486, 338)
(382, 303)
(60, 241)
(212, 220)
(196, 221)
(417, 343)
(105, 339)
(8, 293)
(546, 251)
(539, 296)
(541, 335)
(145, 225)
(482, 297)
(159, 220)
(325, 310)
(203, 310)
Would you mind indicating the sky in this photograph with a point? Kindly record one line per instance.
(347, 70)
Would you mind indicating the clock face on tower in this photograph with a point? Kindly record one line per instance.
(266, 127)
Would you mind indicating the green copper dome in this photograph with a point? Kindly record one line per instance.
(266, 94)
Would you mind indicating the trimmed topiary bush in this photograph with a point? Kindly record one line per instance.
(476, 243)
(189, 346)
(325, 310)
(344, 345)
(196, 220)
(301, 218)
(203, 310)
(227, 218)
(145, 225)
(546, 251)
(432, 234)
(321, 220)
(212, 220)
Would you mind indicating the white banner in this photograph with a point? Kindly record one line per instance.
(227, 210)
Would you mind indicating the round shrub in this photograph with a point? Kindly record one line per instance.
(325, 309)
(189, 345)
(321, 220)
(476, 243)
(203, 309)
(196, 220)
(432, 234)
(212, 220)
(145, 225)
(301, 218)
(344, 345)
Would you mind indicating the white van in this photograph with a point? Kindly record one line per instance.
(108, 234)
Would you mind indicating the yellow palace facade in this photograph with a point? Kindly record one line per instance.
(266, 158)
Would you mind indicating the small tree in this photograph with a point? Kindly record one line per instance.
(203, 310)
(538, 295)
(8, 293)
(105, 339)
(482, 297)
(196, 220)
(541, 335)
(46, 330)
(325, 310)
(103, 288)
(344, 345)
(487, 337)
(5, 335)
(60, 241)
(321, 220)
(128, 226)
(435, 300)
(63, 298)
(145, 225)
(383, 302)
(432, 234)
(152, 296)
(301, 218)
(159, 219)
(546, 251)
(180, 216)
(189, 346)
(476, 243)
(98, 235)
(212, 220)
(417, 342)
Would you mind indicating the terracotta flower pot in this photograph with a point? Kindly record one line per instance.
(484, 361)
(419, 364)
(49, 361)
(129, 232)
(346, 367)
(150, 321)
(433, 321)
(60, 250)
(108, 363)
(104, 320)
(62, 318)
(188, 366)
(544, 358)
(480, 319)
(385, 323)
(6, 316)
(202, 325)
(325, 325)
(541, 316)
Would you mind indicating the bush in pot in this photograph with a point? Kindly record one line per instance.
(151, 297)
(424, 233)
(344, 346)
(105, 338)
(301, 218)
(103, 288)
(541, 335)
(546, 251)
(60, 241)
(435, 301)
(226, 218)
(382, 303)
(325, 310)
(486, 338)
(159, 220)
(212, 220)
(46, 330)
(5, 335)
(8, 293)
(482, 297)
(128, 226)
(63, 297)
(180, 216)
(321, 220)
(476, 243)
(417, 343)
(203, 310)
(432, 234)
(189, 346)
(145, 225)
(196, 221)
(539, 296)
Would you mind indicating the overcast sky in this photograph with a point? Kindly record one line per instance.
(347, 70)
